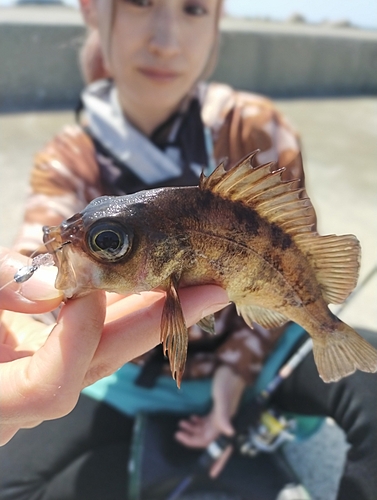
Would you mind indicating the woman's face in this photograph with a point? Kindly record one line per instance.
(159, 48)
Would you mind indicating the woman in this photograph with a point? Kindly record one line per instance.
(153, 123)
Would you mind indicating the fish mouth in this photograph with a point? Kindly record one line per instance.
(60, 242)
(66, 277)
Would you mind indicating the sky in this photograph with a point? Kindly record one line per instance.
(361, 13)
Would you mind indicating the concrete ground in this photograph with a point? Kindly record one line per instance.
(339, 139)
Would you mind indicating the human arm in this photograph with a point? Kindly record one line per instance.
(238, 360)
(243, 122)
(64, 178)
(43, 368)
(200, 431)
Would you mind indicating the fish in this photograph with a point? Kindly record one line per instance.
(244, 229)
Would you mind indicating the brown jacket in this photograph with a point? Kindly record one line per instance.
(65, 178)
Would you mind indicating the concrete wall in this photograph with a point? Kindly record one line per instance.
(290, 60)
(39, 69)
(38, 66)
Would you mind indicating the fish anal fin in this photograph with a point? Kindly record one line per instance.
(174, 334)
(342, 353)
(208, 324)
(335, 261)
(264, 317)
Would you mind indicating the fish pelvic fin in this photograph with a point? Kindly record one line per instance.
(174, 334)
(264, 317)
(343, 352)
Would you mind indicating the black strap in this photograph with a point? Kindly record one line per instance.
(152, 369)
(190, 140)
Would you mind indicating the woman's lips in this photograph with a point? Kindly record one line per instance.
(159, 75)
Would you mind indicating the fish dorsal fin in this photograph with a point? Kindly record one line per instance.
(334, 259)
(262, 189)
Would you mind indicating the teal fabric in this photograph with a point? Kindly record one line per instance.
(194, 396)
(120, 391)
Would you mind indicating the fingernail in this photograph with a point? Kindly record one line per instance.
(41, 286)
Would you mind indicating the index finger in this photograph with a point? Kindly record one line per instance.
(36, 295)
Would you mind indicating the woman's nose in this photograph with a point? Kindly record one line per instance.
(164, 34)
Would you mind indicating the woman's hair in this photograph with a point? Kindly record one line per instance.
(91, 58)
(94, 54)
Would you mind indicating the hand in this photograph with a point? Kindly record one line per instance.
(199, 432)
(43, 368)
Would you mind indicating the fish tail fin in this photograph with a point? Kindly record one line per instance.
(343, 352)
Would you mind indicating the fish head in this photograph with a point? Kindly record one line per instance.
(102, 247)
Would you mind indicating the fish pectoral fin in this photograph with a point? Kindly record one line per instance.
(264, 317)
(343, 352)
(208, 324)
(174, 334)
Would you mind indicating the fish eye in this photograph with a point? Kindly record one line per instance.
(108, 241)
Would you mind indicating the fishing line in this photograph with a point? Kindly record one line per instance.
(6, 284)
(26, 272)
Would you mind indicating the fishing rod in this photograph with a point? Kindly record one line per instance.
(216, 448)
(276, 428)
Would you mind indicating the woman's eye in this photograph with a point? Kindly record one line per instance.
(195, 9)
(108, 242)
(139, 3)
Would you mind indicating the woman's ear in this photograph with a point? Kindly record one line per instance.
(89, 13)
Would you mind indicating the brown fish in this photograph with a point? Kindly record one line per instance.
(246, 230)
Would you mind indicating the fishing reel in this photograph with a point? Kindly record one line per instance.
(269, 433)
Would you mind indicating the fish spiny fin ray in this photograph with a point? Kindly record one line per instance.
(264, 317)
(335, 261)
(174, 334)
(208, 324)
(262, 189)
(343, 352)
